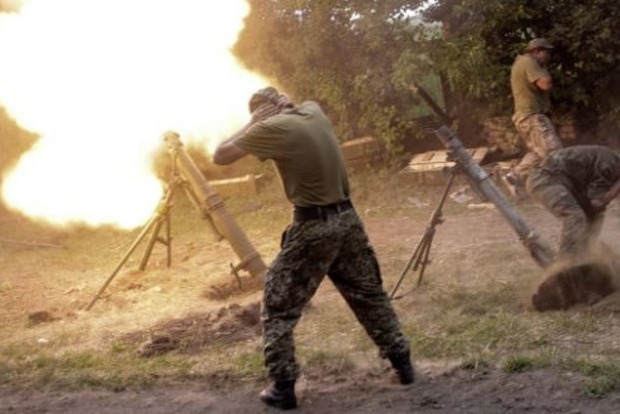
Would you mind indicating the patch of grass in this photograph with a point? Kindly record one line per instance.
(5, 287)
(600, 386)
(249, 363)
(475, 364)
(456, 334)
(332, 362)
(331, 326)
(5, 373)
(487, 299)
(604, 376)
(75, 370)
(570, 323)
(518, 363)
(122, 347)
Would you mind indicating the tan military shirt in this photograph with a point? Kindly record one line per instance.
(528, 98)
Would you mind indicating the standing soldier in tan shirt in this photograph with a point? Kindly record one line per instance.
(530, 83)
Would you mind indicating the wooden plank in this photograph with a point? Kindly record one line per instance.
(439, 159)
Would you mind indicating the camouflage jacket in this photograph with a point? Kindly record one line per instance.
(588, 171)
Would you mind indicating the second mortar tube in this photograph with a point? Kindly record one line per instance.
(539, 249)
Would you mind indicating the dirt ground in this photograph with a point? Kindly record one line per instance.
(441, 387)
(445, 392)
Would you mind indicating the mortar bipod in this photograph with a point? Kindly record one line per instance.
(210, 205)
(153, 225)
(420, 257)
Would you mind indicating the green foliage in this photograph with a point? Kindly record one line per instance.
(357, 58)
(344, 54)
(481, 40)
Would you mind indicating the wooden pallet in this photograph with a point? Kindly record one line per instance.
(426, 166)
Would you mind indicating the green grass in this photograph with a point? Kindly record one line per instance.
(518, 363)
(329, 361)
(249, 363)
(604, 376)
(89, 369)
(118, 368)
(453, 336)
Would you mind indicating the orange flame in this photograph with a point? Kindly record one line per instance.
(100, 81)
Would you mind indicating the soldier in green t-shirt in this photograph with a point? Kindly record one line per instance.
(530, 83)
(326, 237)
(576, 184)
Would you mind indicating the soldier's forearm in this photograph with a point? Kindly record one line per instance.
(609, 195)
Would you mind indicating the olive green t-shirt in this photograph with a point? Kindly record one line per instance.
(528, 98)
(306, 152)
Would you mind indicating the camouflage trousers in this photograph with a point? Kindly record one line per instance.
(336, 246)
(580, 225)
(540, 137)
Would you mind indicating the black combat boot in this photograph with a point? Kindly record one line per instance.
(402, 364)
(280, 395)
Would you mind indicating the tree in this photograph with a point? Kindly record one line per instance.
(482, 38)
(344, 54)
(358, 58)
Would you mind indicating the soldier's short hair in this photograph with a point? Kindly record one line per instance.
(538, 43)
(262, 96)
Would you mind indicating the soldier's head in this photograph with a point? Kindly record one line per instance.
(540, 49)
(269, 96)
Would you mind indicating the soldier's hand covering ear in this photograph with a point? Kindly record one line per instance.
(598, 204)
(265, 111)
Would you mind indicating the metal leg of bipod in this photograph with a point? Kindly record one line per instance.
(153, 225)
(424, 256)
(421, 254)
(154, 237)
(162, 215)
(168, 240)
(414, 257)
(152, 222)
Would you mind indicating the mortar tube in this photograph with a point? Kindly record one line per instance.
(539, 249)
(212, 205)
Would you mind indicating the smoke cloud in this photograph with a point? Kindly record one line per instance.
(99, 82)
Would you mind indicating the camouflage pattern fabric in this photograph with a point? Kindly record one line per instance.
(540, 137)
(580, 224)
(338, 247)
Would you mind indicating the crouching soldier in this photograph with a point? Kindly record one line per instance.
(576, 184)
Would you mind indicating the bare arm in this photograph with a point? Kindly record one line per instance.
(227, 151)
(601, 203)
(545, 83)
